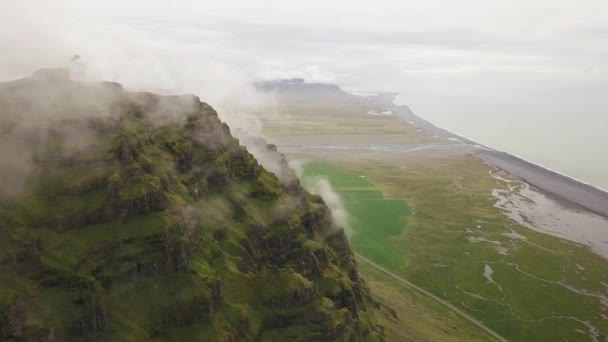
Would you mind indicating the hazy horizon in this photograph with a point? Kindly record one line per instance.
(527, 77)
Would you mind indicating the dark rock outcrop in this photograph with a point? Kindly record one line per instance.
(12, 315)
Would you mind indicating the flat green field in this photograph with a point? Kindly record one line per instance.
(408, 315)
(374, 220)
(525, 285)
(430, 218)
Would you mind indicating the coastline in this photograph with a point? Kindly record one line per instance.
(555, 184)
(476, 232)
(567, 190)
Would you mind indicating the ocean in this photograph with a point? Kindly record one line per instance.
(566, 132)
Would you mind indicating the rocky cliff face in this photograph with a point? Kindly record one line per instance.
(133, 216)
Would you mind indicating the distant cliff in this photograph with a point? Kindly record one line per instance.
(134, 216)
(300, 86)
(299, 92)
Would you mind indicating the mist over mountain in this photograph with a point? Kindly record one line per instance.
(306, 170)
(135, 216)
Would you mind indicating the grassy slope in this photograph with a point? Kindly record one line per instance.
(156, 233)
(543, 296)
(410, 316)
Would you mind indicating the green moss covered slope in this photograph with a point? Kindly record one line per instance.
(158, 225)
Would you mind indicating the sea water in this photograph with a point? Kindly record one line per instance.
(565, 131)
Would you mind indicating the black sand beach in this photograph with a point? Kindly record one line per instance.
(563, 188)
(558, 185)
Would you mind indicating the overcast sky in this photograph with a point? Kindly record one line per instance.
(376, 45)
(482, 68)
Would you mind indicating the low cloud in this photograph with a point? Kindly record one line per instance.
(320, 185)
(277, 70)
(482, 60)
(142, 52)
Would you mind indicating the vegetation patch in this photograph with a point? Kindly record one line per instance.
(167, 230)
(373, 219)
(543, 288)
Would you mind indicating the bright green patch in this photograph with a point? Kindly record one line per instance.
(373, 219)
(548, 288)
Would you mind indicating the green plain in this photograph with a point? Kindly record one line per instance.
(373, 219)
(544, 288)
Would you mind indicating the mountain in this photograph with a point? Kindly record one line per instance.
(300, 86)
(134, 216)
(298, 91)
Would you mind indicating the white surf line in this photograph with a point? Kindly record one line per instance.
(437, 299)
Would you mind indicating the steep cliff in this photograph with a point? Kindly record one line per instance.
(134, 216)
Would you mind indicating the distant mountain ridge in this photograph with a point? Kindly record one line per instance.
(300, 85)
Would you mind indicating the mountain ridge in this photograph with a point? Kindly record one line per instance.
(135, 216)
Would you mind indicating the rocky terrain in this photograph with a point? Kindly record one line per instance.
(134, 216)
